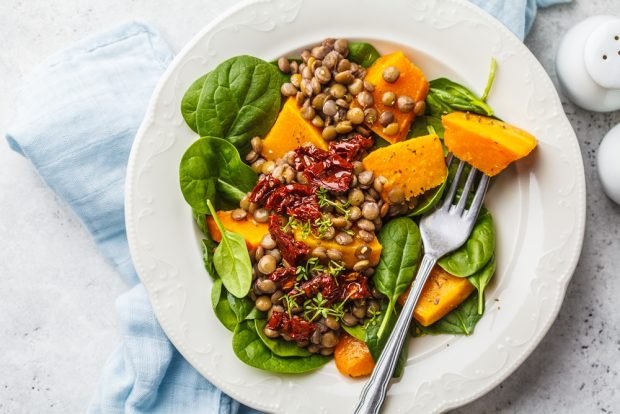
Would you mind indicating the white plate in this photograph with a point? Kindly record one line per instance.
(538, 206)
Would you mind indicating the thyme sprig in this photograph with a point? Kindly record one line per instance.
(324, 202)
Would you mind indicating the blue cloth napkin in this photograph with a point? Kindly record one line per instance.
(76, 117)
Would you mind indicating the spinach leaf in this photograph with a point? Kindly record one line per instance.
(211, 169)
(445, 96)
(280, 347)
(422, 124)
(490, 80)
(221, 307)
(376, 340)
(357, 331)
(481, 279)
(232, 260)
(231, 310)
(189, 103)
(461, 321)
(477, 250)
(428, 200)
(201, 222)
(240, 99)
(402, 248)
(250, 349)
(362, 53)
(208, 249)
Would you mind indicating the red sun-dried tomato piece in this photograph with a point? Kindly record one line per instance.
(293, 251)
(323, 283)
(324, 168)
(354, 286)
(297, 200)
(265, 186)
(276, 320)
(286, 276)
(298, 329)
(351, 148)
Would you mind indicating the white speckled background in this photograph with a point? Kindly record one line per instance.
(57, 319)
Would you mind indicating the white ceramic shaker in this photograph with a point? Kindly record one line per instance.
(588, 68)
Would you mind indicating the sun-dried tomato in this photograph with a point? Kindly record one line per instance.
(265, 186)
(286, 276)
(293, 251)
(324, 168)
(350, 149)
(297, 200)
(354, 286)
(299, 329)
(323, 283)
(276, 320)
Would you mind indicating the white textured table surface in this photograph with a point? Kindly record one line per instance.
(57, 320)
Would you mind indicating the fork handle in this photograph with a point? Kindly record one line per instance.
(375, 389)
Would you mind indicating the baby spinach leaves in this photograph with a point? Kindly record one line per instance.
(477, 250)
(481, 279)
(357, 331)
(445, 96)
(189, 103)
(378, 331)
(461, 321)
(362, 53)
(250, 349)
(280, 347)
(221, 306)
(212, 167)
(402, 248)
(239, 100)
(232, 260)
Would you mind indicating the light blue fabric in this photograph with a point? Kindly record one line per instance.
(77, 115)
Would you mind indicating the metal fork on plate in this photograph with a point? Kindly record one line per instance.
(443, 230)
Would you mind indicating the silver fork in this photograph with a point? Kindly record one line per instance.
(443, 231)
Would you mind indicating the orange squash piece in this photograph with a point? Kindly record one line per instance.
(289, 132)
(353, 357)
(415, 165)
(442, 293)
(411, 82)
(486, 143)
(251, 230)
(348, 251)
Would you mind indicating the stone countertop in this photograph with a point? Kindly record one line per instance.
(57, 299)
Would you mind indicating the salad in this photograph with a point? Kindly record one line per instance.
(307, 181)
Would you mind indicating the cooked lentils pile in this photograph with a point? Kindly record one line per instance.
(321, 194)
(334, 96)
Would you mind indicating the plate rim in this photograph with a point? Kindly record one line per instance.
(447, 403)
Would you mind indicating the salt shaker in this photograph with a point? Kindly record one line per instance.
(588, 63)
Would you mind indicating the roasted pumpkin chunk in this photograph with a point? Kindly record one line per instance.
(414, 166)
(251, 230)
(289, 132)
(411, 82)
(353, 357)
(442, 293)
(348, 251)
(486, 143)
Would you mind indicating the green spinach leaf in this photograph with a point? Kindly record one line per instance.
(461, 321)
(189, 103)
(280, 347)
(221, 307)
(422, 124)
(428, 200)
(240, 99)
(208, 249)
(250, 349)
(362, 53)
(232, 260)
(477, 250)
(402, 248)
(445, 96)
(481, 280)
(376, 339)
(201, 222)
(231, 310)
(211, 169)
(357, 331)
